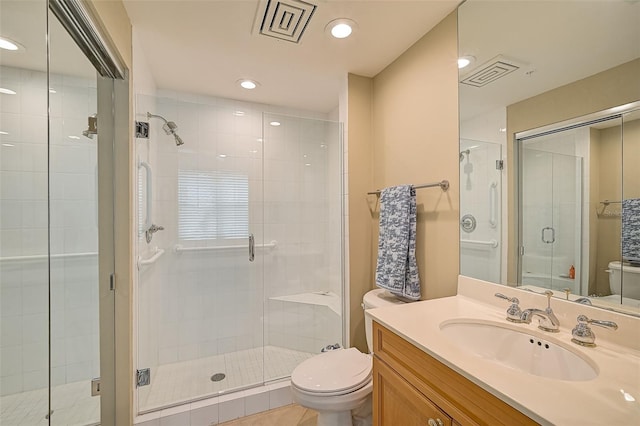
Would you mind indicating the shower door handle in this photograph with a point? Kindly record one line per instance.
(553, 235)
(252, 248)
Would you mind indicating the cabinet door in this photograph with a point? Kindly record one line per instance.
(396, 402)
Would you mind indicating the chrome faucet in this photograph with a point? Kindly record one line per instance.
(582, 334)
(548, 320)
(513, 312)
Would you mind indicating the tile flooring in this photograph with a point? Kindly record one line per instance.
(171, 383)
(72, 405)
(290, 415)
(188, 380)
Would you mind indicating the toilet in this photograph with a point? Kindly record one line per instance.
(624, 278)
(339, 382)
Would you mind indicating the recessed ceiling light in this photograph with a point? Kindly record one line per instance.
(8, 144)
(464, 61)
(341, 28)
(7, 91)
(307, 164)
(222, 155)
(248, 84)
(239, 113)
(275, 123)
(8, 44)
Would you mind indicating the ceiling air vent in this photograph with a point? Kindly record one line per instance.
(490, 71)
(285, 19)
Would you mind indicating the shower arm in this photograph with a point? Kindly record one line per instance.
(149, 115)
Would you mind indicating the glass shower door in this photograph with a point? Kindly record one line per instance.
(481, 209)
(551, 220)
(303, 214)
(49, 277)
(199, 282)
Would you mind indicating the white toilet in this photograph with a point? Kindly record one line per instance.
(337, 382)
(624, 278)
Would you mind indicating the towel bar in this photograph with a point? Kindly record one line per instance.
(443, 184)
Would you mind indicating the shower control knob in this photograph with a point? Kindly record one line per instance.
(152, 230)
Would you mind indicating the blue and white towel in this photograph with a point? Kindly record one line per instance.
(631, 230)
(397, 269)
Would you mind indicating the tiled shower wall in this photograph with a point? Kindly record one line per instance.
(24, 231)
(202, 303)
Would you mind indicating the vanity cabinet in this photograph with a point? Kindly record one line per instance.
(412, 388)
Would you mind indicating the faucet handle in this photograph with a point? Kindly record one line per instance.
(514, 312)
(548, 293)
(582, 333)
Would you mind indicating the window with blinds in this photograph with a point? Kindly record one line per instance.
(212, 205)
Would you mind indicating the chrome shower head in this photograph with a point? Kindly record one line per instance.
(169, 128)
(462, 153)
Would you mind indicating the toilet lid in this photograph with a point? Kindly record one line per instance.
(335, 371)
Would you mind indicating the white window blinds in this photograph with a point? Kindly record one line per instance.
(212, 205)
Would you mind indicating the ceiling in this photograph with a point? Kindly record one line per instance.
(553, 42)
(206, 46)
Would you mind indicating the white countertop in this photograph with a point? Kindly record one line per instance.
(600, 401)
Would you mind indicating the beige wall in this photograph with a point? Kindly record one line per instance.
(610, 88)
(609, 155)
(360, 181)
(619, 179)
(115, 22)
(403, 129)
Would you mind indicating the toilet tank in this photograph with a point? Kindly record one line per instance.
(377, 298)
(624, 278)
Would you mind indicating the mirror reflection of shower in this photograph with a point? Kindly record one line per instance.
(468, 167)
(169, 127)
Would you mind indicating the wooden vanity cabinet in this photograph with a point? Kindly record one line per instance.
(412, 388)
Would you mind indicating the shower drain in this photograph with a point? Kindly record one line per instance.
(217, 377)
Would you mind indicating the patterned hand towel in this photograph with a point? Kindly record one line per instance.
(397, 269)
(631, 230)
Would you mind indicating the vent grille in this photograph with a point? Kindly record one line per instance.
(286, 19)
(489, 72)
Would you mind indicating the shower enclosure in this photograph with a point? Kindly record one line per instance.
(480, 209)
(56, 251)
(551, 210)
(242, 277)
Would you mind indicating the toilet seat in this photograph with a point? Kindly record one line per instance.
(333, 373)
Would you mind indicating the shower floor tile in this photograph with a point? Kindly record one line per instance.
(176, 383)
(72, 404)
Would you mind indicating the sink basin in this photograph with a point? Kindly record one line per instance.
(519, 349)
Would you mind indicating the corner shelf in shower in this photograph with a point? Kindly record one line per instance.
(317, 298)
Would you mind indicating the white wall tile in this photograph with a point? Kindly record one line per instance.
(11, 384)
(230, 410)
(181, 419)
(204, 415)
(256, 403)
(280, 397)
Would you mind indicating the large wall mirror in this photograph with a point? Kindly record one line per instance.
(549, 146)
